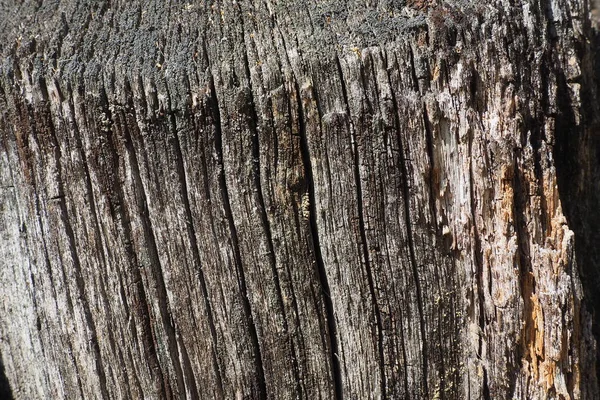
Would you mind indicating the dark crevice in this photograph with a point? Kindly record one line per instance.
(261, 389)
(536, 137)
(301, 384)
(134, 377)
(175, 144)
(411, 246)
(486, 386)
(121, 362)
(142, 312)
(5, 390)
(196, 258)
(267, 229)
(31, 177)
(577, 154)
(363, 236)
(299, 188)
(314, 236)
(413, 71)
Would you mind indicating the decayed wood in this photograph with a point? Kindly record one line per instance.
(290, 199)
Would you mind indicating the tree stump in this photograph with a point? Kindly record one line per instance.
(299, 199)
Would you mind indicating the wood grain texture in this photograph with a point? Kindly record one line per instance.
(290, 199)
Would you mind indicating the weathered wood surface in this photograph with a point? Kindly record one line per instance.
(291, 199)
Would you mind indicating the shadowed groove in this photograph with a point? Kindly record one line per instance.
(263, 213)
(363, 235)
(5, 389)
(196, 258)
(261, 384)
(411, 246)
(314, 237)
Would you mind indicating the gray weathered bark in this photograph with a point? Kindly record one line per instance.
(299, 199)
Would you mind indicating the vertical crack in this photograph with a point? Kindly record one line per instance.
(261, 384)
(486, 386)
(92, 208)
(252, 123)
(5, 385)
(191, 233)
(363, 235)
(527, 279)
(413, 71)
(314, 236)
(54, 295)
(433, 173)
(81, 289)
(5, 389)
(64, 215)
(477, 253)
(141, 307)
(155, 265)
(433, 178)
(403, 350)
(577, 160)
(411, 246)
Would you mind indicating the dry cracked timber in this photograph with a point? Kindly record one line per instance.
(299, 199)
